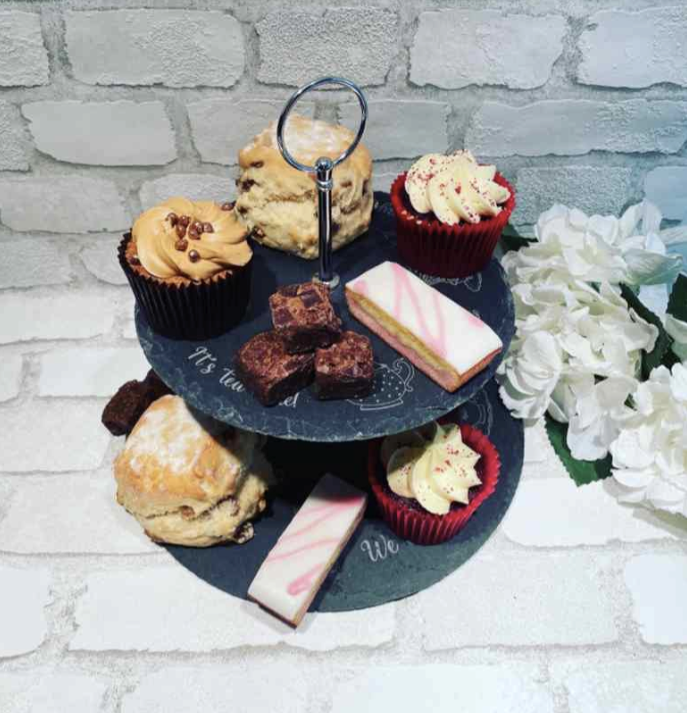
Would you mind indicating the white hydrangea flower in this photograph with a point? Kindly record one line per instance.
(572, 335)
(650, 451)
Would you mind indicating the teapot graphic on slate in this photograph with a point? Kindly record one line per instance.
(391, 384)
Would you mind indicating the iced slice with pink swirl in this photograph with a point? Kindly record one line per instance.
(294, 570)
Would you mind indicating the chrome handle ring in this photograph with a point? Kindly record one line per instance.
(281, 124)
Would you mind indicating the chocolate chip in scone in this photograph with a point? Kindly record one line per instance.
(197, 227)
(227, 206)
(134, 260)
(172, 218)
(181, 231)
(207, 228)
(193, 255)
(346, 184)
(242, 209)
(181, 245)
(184, 220)
(246, 185)
(257, 164)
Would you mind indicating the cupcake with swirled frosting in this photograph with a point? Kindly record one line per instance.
(450, 212)
(189, 265)
(429, 482)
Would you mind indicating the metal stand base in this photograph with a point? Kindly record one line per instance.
(332, 283)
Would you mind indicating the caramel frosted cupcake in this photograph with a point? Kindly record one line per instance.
(450, 212)
(189, 265)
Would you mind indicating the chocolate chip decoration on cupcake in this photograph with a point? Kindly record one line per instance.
(278, 203)
(450, 212)
(189, 265)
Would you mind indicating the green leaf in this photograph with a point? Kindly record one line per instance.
(677, 304)
(582, 472)
(511, 239)
(654, 358)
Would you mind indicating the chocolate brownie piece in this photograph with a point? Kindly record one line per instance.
(303, 316)
(346, 369)
(125, 408)
(132, 398)
(269, 372)
(156, 387)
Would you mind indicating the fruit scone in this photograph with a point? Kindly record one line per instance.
(278, 203)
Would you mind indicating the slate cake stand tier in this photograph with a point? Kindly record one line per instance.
(376, 567)
(403, 397)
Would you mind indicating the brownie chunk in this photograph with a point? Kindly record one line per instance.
(132, 398)
(303, 316)
(346, 369)
(269, 372)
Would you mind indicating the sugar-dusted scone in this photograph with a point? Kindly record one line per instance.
(190, 480)
(442, 339)
(278, 203)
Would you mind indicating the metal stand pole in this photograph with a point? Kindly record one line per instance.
(326, 276)
(323, 169)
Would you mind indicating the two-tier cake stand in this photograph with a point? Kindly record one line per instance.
(311, 437)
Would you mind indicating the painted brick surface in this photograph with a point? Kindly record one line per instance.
(456, 48)
(222, 127)
(571, 610)
(592, 189)
(138, 608)
(34, 261)
(188, 690)
(398, 129)
(634, 49)
(102, 526)
(10, 376)
(194, 186)
(658, 584)
(666, 186)
(636, 686)
(100, 259)
(100, 371)
(578, 126)
(298, 46)
(55, 435)
(177, 48)
(61, 204)
(14, 149)
(23, 57)
(441, 687)
(45, 692)
(120, 133)
(68, 316)
(596, 519)
(25, 594)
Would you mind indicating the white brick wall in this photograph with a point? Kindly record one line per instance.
(171, 47)
(575, 605)
(634, 49)
(23, 58)
(121, 133)
(456, 48)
